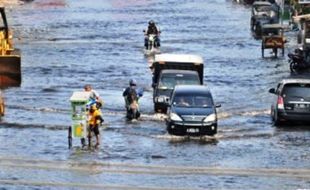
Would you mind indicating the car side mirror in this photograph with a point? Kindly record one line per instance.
(272, 90)
(143, 30)
(218, 105)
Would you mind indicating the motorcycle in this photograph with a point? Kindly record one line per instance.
(151, 45)
(297, 62)
(132, 108)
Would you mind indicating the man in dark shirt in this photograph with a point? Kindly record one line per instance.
(130, 93)
(152, 29)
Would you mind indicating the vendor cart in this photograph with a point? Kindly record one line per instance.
(79, 117)
(273, 38)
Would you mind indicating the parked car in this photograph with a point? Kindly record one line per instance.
(170, 70)
(292, 101)
(192, 111)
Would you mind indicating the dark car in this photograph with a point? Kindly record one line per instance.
(292, 101)
(192, 111)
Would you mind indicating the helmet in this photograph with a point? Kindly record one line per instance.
(132, 82)
(151, 22)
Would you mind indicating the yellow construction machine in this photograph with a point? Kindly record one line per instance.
(10, 59)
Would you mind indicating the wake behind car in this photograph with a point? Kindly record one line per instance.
(192, 111)
(292, 101)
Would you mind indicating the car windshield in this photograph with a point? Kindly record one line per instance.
(264, 8)
(188, 100)
(297, 90)
(169, 81)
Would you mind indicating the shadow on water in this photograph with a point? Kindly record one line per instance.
(293, 127)
(202, 140)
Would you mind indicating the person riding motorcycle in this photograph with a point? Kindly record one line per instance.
(152, 29)
(297, 60)
(131, 99)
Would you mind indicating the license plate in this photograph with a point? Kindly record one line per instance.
(192, 130)
(301, 106)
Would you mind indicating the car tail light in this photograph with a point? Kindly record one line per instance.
(280, 103)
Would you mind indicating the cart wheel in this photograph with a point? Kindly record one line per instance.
(69, 137)
(263, 48)
(283, 51)
(89, 141)
(2, 108)
(83, 142)
(293, 67)
(275, 51)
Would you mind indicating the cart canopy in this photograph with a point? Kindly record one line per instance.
(80, 96)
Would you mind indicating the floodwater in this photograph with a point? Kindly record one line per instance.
(68, 43)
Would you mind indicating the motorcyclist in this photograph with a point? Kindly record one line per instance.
(131, 96)
(152, 29)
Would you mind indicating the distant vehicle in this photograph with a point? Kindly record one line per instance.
(292, 101)
(151, 47)
(263, 13)
(192, 111)
(273, 38)
(170, 70)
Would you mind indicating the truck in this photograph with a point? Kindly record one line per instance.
(170, 70)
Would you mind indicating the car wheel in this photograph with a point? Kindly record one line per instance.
(159, 109)
(294, 67)
(83, 142)
(276, 121)
(213, 132)
(156, 108)
(170, 130)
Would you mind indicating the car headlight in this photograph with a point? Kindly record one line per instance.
(175, 117)
(210, 118)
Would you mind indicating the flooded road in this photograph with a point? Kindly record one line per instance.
(69, 43)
